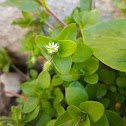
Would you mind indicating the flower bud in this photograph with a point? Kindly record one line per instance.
(47, 65)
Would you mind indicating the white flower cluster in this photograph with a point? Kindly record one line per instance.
(52, 48)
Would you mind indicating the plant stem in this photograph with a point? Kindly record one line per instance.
(52, 57)
(14, 94)
(92, 4)
(78, 122)
(49, 12)
(57, 19)
(20, 72)
(49, 25)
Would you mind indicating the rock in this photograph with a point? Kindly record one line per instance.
(11, 82)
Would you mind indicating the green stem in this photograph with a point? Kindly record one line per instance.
(49, 25)
(78, 122)
(20, 72)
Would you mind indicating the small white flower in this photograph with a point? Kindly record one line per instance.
(52, 48)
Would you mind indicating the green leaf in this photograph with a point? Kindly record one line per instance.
(121, 81)
(68, 33)
(110, 33)
(74, 111)
(62, 65)
(87, 19)
(76, 84)
(105, 102)
(85, 5)
(73, 75)
(51, 123)
(30, 104)
(95, 110)
(91, 18)
(44, 79)
(65, 120)
(60, 109)
(58, 96)
(56, 80)
(24, 5)
(86, 122)
(101, 91)
(56, 32)
(6, 3)
(91, 90)
(82, 53)
(67, 48)
(32, 115)
(43, 120)
(90, 66)
(75, 95)
(113, 118)
(33, 90)
(6, 67)
(33, 73)
(107, 76)
(91, 79)
(101, 122)
(70, 77)
(41, 41)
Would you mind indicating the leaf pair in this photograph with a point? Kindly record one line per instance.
(88, 112)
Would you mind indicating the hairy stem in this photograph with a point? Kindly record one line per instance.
(14, 94)
(92, 4)
(20, 72)
(78, 122)
(49, 25)
(52, 57)
(49, 12)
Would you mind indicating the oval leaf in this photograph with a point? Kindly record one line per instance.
(91, 79)
(68, 33)
(67, 48)
(44, 79)
(30, 104)
(113, 118)
(75, 95)
(32, 115)
(65, 120)
(62, 65)
(82, 53)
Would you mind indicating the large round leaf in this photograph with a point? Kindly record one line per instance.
(108, 40)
